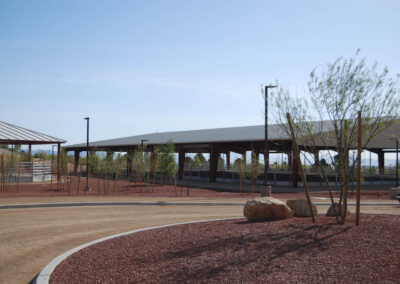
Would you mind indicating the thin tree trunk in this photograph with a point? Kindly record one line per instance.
(296, 151)
(358, 169)
(19, 175)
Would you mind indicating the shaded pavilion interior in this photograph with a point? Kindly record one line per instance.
(233, 139)
(15, 135)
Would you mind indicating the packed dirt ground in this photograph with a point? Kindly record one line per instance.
(30, 238)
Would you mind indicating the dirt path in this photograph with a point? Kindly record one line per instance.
(30, 238)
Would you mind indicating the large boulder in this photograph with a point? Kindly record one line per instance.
(300, 207)
(266, 208)
(331, 211)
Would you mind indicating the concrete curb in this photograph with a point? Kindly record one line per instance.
(44, 276)
(159, 203)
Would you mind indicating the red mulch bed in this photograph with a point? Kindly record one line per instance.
(236, 251)
(126, 189)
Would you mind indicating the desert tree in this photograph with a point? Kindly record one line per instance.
(108, 170)
(167, 159)
(117, 170)
(239, 166)
(327, 118)
(189, 162)
(154, 164)
(254, 171)
(9, 166)
(141, 164)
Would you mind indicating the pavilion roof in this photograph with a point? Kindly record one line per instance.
(12, 134)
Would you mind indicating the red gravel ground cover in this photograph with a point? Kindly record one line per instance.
(236, 251)
(126, 189)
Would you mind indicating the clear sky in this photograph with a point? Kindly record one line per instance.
(138, 67)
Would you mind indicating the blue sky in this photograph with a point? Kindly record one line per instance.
(139, 67)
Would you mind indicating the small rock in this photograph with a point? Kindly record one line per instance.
(266, 208)
(331, 212)
(300, 207)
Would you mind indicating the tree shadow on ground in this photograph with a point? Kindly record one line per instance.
(242, 250)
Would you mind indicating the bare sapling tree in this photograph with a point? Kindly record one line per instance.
(154, 164)
(79, 173)
(95, 168)
(3, 173)
(116, 171)
(65, 180)
(172, 173)
(9, 161)
(168, 164)
(107, 171)
(239, 166)
(326, 119)
(167, 158)
(129, 159)
(303, 178)
(190, 164)
(255, 171)
(139, 162)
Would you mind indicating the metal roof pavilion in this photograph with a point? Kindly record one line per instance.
(233, 139)
(16, 135)
(235, 135)
(216, 135)
(12, 134)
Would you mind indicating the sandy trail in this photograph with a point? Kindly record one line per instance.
(30, 238)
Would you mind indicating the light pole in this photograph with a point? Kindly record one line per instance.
(87, 154)
(397, 160)
(266, 150)
(143, 140)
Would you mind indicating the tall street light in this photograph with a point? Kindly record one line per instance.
(87, 154)
(266, 150)
(397, 160)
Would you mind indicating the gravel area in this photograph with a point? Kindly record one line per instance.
(236, 251)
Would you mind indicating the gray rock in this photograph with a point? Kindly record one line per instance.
(266, 208)
(300, 207)
(331, 212)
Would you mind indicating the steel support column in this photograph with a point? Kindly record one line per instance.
(228, 160)
(244, 157)
(213, 162)
(30, 153)
(76, 160)
(381, 162)
(129, 155)
(181, 161)
(59, 162)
